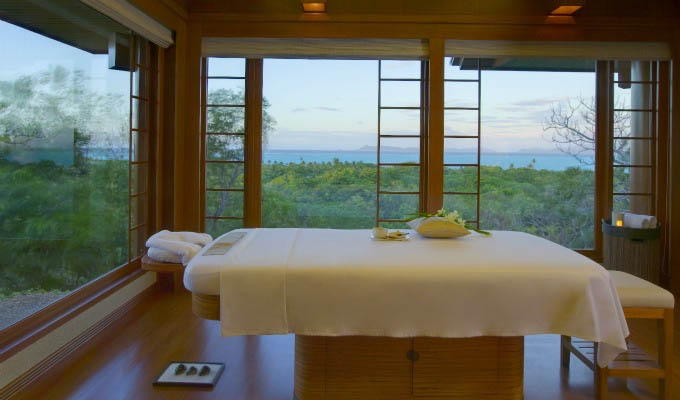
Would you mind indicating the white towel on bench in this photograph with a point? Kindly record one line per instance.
(165, 245)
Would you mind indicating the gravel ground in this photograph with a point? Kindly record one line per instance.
(14, 308)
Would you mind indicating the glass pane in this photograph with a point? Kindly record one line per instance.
(138, 212)
(635, 96)
(460, 122)
(400, 94)
(226, 91)
(64, 128)
(142, 49)
(138, 241)
(224, 204)
(225, 147)
(399, 150)
(139, 114)
(400, 69)
(461, 94)
(398, 206)
(139, 77)
(460, 150)
(400, 179)
(400, 122)
(224, 176)
(460, 179)
(466, 205)
(632, 180)
(468, 70)
(140, 149)
(217, 227)
(319, 160)
(637, 204)
(138, 178)
(234, 67)
(225, 119)
(632, 152)
(537, 173)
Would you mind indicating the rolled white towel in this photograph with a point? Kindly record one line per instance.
(184, 249)
(200, 239)
(161, 255)
(639, 221)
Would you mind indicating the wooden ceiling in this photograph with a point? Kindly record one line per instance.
(68, 21)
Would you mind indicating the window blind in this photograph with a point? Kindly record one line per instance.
(135, 19)
(406, 49)
(551, 49)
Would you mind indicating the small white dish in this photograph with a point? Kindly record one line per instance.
(402, 238)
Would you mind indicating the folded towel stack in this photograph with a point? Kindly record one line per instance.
(639, 221)
(176, 247)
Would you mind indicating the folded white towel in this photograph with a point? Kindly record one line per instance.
(639, 221)
(181, 244)
(200, 239)
(161, 255)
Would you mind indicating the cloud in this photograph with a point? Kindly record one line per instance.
(299, 109)
(333, 109)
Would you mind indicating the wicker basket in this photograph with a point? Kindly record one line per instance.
(635, 251)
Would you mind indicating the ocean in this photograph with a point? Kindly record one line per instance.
(548, 161)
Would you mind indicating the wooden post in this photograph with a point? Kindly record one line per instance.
(674, 174)
(252, 208)
(435, 138)
(603, 168)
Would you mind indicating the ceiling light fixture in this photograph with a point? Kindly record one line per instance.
(314, 7)
(567, 7)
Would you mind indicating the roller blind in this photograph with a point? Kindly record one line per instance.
(315, 48)
(551, 49)
(135, 19)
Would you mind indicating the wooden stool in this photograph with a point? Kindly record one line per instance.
(642, 300)
(176, 270)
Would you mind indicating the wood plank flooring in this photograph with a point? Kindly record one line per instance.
(122, 363)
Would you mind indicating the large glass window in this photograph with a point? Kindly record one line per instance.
(529, 124)
(64, 173)
(225, 132)
(634, 135)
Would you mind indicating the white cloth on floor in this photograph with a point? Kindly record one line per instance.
(161, 255)
(183, 244)
(339, 282)
(639, 221)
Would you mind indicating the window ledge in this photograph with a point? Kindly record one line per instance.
(21, 334)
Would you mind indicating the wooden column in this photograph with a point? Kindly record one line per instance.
(603, 156)
(252, 207)
(435, 135)
(187, 165)
(662, 162)
(674, 175)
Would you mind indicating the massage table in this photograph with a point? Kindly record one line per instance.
(423, 318)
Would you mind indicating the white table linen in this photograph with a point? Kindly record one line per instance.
(338, 282)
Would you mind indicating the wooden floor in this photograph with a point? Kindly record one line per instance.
(122, 363)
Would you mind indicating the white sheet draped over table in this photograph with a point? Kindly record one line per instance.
(338, 282)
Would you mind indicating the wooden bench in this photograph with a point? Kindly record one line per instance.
(640, 299)
(171, 270)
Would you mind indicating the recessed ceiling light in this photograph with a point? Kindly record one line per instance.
(567, 7)
(314, 6)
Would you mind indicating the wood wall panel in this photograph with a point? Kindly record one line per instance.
(657, 8)
(674, 176)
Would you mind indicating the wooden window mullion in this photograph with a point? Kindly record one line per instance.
(252, 208)
(435, 134)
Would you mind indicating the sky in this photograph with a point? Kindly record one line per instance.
(333, 104)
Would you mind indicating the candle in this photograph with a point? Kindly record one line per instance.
(617, 219)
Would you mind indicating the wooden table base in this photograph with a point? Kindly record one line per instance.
(363, 367)
(366, 367)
